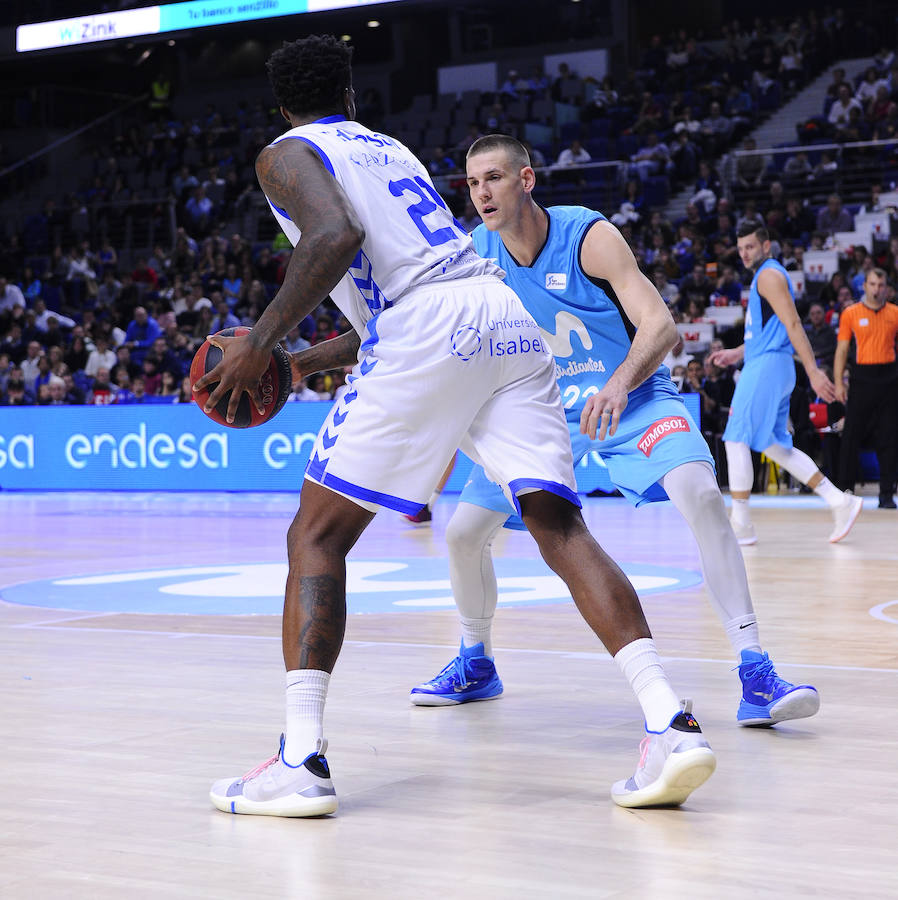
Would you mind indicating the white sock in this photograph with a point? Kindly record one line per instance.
(802, 467)
(741, 512)
(829, 493)
(306, 693)
(743, 634)
(641, 665)
(476, 631)
(433, 499)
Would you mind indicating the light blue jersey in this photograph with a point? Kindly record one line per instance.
(759, 411)
(585, 326)
(580, 317)
(764, 331)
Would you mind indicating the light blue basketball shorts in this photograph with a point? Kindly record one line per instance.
(759, 412)
(653, 437)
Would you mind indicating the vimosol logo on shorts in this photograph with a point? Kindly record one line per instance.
(466, 342)
(660, 429)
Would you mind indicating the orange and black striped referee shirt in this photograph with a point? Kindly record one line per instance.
(874, 331)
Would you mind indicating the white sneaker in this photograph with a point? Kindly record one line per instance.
(844, 516)
(673, 764)
(745, 534)
(275, 788)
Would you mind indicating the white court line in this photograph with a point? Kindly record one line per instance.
(568, 654)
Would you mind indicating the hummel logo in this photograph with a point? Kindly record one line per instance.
(767, 697)
(747, 625)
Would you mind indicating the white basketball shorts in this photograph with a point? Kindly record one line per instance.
(454, 364)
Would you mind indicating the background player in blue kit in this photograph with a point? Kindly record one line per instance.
(609, 329)
(369, 228)
(759, 411)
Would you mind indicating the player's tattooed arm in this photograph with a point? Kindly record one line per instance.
(293, 176)
(333, 354)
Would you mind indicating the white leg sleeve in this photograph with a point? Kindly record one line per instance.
(742, 474)
(793, 461)
(470, 535)
(693, 489)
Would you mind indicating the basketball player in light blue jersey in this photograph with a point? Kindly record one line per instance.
(450, 358)
(759, 411)
(608, 329)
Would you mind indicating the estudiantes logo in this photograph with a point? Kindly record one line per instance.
(660, 429)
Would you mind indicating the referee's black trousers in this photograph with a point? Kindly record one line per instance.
(871, 419)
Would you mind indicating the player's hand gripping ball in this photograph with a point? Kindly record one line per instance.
(275, 384)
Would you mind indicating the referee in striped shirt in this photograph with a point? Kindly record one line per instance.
(871, 407)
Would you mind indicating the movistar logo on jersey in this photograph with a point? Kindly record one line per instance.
(566, 324)
(556, 281)
(578, 368)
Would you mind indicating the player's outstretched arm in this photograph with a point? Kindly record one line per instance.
(332, 354)
(606, 256)
(293, 176)
(773, 288)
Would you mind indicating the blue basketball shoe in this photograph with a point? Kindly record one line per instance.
(470, 676)
(767, 698)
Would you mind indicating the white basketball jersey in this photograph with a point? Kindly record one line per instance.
(411, 237)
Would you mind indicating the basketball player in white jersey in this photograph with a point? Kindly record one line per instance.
(370, 229)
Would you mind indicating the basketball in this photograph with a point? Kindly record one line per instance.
(276, 384)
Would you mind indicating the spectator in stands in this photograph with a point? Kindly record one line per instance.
(10, 295)
(751, 167)
(668, 291)
(102, 392)
(184, 182)
(716, 130)
(834, 217)
(17, 394)
(738, 108)
(797, 168)
(603, 97)
(791, 67)
(198, 210)
(650, 116)
(232, 286)
(141, 332)
(868, 88)
(729, 286)
(685, 156)
(30, 365)
(697, 286)
(652, 158)
(798, 222)
(879, 107)
(440, 163)
(574, 155)
(843, 104)
(821, 336)
(224, 318)
(144, 275)
(77, 354)
(101, 357)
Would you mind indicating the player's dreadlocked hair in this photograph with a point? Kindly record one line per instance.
(310, 75)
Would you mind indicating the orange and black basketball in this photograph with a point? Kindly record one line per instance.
(275, 384)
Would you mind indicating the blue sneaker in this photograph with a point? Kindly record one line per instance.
(767, 698)
(470, 676)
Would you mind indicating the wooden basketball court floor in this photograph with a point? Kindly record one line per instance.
(115, 721)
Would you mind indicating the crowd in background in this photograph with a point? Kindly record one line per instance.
(79, 324)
